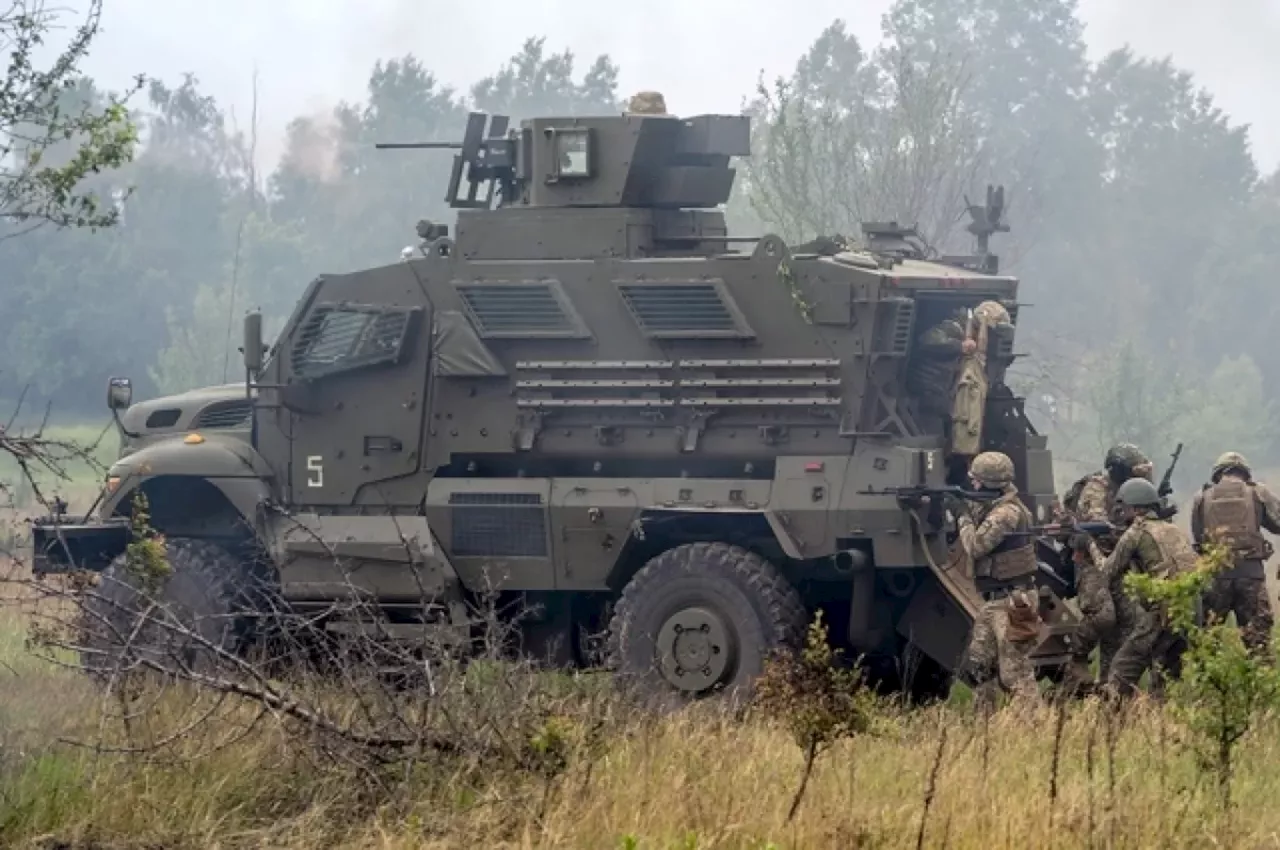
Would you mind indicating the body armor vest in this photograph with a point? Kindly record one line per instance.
(1015, 556)
(1105, 542)
(1176, 555)
(1229, 514)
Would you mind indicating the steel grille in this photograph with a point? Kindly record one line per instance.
(498, 525)
(227, 414)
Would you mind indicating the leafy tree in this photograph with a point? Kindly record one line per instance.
(52, 138)
(1173, 161)
(83, 304)
(356, 205)
(852, 138)
(534, 83)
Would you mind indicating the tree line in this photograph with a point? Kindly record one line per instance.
(1141, 225)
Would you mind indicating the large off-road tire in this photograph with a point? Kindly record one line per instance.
(702, 618)
(190, 621)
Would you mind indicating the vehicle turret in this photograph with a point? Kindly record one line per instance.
(629, 185)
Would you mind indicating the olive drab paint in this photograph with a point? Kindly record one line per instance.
(588, 370)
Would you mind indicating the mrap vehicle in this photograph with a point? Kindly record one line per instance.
(594, 401)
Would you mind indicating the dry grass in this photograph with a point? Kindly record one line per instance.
(697, 779)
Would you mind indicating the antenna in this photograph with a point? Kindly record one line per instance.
(482, 158)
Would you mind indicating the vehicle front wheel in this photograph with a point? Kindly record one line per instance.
(186, 620)
(702, 618)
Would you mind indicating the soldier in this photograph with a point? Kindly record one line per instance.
(647, 103)
(1004, 565)
(1091, 499)
(934, 363)
(1151, 546)
(969, 398)
(1233, 510)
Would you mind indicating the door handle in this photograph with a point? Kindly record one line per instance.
(375, 445)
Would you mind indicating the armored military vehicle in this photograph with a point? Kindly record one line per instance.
(596, 401)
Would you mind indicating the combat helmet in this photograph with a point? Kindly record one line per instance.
(647, 103)
(1138, 493)
(1127, 460)
(992, 469)
(993, 313)
(1231, 460)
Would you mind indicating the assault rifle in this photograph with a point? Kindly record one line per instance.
(1166, 485)
(916, 495)
(1062, 529)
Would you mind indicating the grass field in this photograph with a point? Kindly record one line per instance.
(237, 777)
(698, 779)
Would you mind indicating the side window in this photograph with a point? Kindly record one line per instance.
(344, 337)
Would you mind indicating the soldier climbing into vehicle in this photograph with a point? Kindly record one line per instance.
(1092, 499)
(948, 373)
(990, 320)
(1150, 545)
(934, 365)
(1234, 509)
(995, 537)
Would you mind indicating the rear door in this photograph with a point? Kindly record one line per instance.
(358, 361)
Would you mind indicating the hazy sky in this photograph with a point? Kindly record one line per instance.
(705, 55)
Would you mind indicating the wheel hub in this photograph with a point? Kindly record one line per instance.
(696, 651)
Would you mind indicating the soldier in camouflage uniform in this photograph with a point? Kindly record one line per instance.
(1151, 546)
(1091, 499)
(1233, 510)
(1007, 628)
(934, 364)
(969, 400)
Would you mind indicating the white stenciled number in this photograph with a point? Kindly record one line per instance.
(315, 471)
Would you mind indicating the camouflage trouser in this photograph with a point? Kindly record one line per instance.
(1248, 598)
(1099, 627)
(1000, 645)
(1147, 644)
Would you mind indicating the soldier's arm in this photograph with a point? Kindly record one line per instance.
(1270, 518)
(978, 540)
(1125, 549)
(938, 342)
(1092, 502)
(1197, 523)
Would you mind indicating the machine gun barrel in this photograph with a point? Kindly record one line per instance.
(418, 145)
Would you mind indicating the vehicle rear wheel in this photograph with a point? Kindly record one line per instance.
(702, 618)
(179, 623)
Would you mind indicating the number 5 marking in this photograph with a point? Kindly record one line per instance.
(315, 471)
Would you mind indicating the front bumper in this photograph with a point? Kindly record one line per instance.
(59, 547)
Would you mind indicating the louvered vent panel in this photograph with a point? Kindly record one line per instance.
(682, 310)
(517, 310)
(229, 414)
